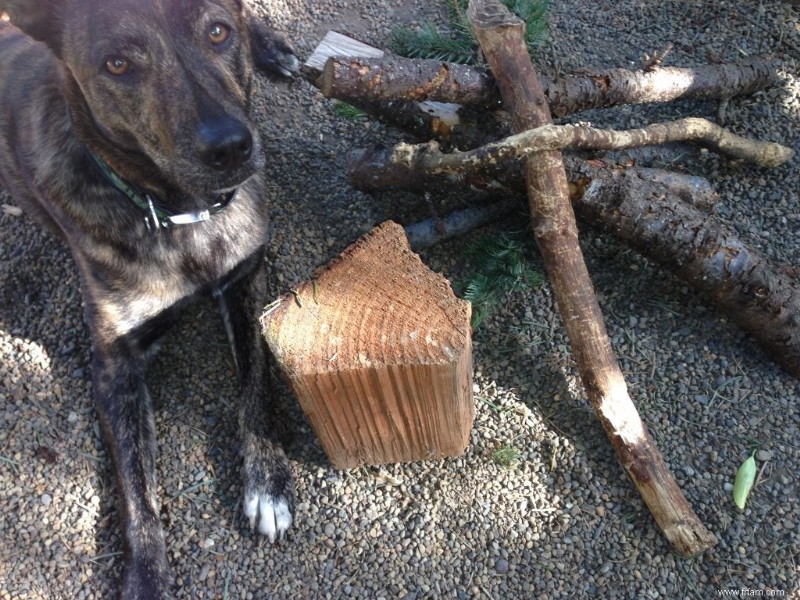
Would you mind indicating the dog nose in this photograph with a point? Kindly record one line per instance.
(225, 144)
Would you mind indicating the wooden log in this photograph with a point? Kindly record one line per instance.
(760, 295)
(378, 351)
(421, 119)
(354, 77)
(501, 38)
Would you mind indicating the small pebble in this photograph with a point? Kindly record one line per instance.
(501, 566)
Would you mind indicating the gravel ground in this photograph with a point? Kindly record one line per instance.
(561, 521)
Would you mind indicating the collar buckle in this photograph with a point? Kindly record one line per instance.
(151, 220)
(154, 222)
(156, 218)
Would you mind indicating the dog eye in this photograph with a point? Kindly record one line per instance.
(219, 33)
(117, 65)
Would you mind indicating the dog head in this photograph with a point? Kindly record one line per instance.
(160, 88)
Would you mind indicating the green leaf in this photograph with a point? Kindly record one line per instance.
(348, 111)
(745, 478)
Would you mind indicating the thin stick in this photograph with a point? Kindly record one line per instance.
(557, 137)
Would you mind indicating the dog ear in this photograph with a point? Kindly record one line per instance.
(40, 19)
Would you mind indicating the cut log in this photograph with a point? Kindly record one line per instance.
(336, 44)
(501, 38)
(354, 72)
(759, 295)
(378, 351)
(421, 119)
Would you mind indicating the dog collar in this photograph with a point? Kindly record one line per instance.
(156, 217)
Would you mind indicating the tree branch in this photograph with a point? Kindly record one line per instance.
(392, 77)
(501, 38)
(429, 158)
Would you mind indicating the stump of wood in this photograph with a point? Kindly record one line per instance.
(378, 351)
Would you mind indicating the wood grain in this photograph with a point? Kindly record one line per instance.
(378, 351)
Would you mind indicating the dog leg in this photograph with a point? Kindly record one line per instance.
(126, 416)
(268, 485)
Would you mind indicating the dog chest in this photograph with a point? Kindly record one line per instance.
(163, 268)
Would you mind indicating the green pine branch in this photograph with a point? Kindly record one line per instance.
(459, 45)
(499, 264)
(348, 111)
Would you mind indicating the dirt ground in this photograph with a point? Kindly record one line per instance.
(562, 520)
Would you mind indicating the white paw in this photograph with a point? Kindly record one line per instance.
(271, 515)
(288, 64)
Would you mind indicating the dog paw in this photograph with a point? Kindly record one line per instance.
(272, 516)
(271, 53)
(268, 492)
(285, 62)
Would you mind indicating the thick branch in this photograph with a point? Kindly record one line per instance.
(393, 77)
(500, 36)
(762, 297)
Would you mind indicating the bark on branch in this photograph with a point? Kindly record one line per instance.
(428, 158)
(760, 296)
(354, 79)
(500, 36)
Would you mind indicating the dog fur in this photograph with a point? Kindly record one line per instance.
(159, 91)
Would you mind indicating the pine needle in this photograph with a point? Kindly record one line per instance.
(500, 265)
(427, 42)
(459, 44)
(348, 111)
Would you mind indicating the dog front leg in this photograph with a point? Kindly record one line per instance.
(126, 416)
(268, 484)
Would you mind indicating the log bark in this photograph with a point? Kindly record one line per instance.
(420, 119)
(433, 231)
(761, 296)
(351, 78)
(378, 351)
(501, 38)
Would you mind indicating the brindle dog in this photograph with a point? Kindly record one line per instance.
(125, 130)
